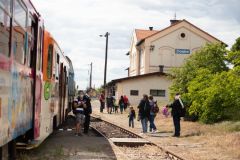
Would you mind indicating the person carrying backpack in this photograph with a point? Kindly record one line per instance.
(177, 112)
(153, 112)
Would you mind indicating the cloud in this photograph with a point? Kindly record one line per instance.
(77, 24)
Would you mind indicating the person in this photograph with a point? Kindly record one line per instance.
(121, 104)
(176, 106)
(144, 112)
(87, 111)
(115, 106)
(131, 116)
(152, 116)
(125, 100)
(165, 110)
(102, 102)
(79, 113)
(110, 103)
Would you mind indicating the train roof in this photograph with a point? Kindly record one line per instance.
(62, 53)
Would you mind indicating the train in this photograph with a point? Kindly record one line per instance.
(37, 83)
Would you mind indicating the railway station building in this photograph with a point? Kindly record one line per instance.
(152, 55)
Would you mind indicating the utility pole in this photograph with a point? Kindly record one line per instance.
(90, 83)
(106, 54)
(105, 67)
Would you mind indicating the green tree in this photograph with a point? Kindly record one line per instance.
(194, 80)
(211, 57)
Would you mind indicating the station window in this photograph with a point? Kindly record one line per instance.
(20, 40)
(4, 31)
(158, 93)
(134, 92)
(49, 61)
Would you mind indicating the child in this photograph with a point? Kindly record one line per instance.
(131, 117)
(165, 111)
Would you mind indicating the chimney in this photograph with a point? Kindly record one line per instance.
(173, 21)
(161, 68)
(150, 28)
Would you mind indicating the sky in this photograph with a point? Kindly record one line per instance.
(77, 24)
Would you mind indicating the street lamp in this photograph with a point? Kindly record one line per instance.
(106, 52)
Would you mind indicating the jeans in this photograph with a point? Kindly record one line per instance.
(152, 125)
(102, 106)
(86, 123)
(176, 122)
(131, 122)
(144, 122)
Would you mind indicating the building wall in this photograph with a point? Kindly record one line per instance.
(133, 57)
(146, 83)
(164, 50)
(167, 41)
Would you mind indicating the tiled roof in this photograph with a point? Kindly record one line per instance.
(142, 34)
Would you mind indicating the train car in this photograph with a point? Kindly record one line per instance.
(20, 50)
(34, 77)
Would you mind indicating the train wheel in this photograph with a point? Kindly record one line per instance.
(54, 122)
(12, 150)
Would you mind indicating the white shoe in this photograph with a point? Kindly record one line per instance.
(155, 131)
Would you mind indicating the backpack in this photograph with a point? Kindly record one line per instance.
(155, 108)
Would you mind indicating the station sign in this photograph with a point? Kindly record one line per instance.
(182, 51)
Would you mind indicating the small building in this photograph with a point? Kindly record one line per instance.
(153, 53)
(135, 86)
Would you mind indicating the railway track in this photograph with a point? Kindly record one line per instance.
(132, 145)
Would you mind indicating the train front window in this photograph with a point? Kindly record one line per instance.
(4, 32)
(49, 61)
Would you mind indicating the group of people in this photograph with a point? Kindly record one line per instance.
(148, 109)
(82, 109)
(111, 103)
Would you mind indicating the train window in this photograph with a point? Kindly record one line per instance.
(5, 4)
(20, 39)
(19, 43)
(39, 58)
(57, 66)
(30, 29)
(49, 61)
(4, 32)
(20, 14)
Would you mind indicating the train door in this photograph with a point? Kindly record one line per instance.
(36, 65)
(64, 93)
(61, 93)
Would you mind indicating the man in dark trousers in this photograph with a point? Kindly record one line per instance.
(87, 111)
(177, 106)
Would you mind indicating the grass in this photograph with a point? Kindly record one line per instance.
(228, 126)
